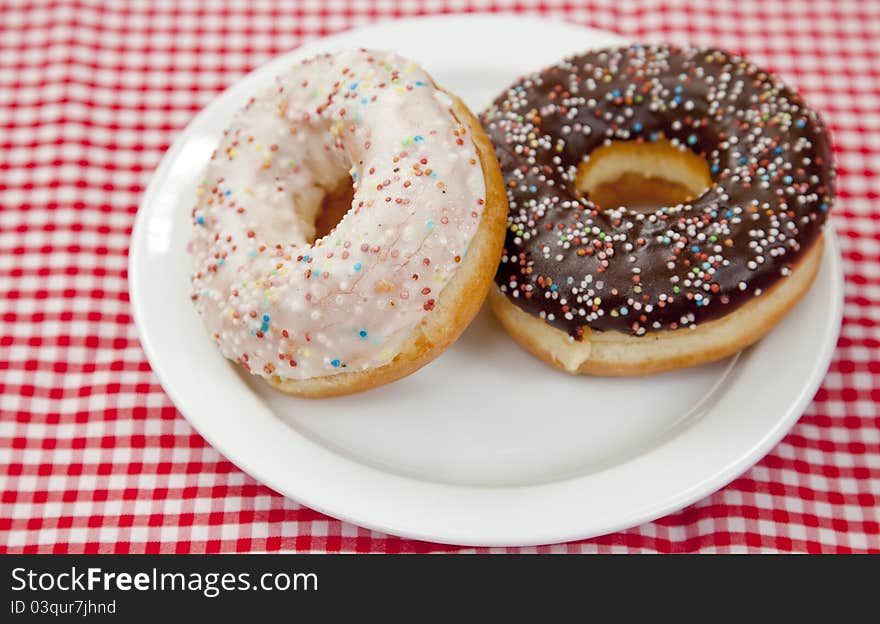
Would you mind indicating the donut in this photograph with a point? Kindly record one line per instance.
(742, 178)
(322, 313)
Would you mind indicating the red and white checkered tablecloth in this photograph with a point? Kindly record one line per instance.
(93, 455)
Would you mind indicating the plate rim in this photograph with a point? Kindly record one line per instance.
(538, 535)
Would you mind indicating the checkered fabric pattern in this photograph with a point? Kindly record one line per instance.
(93, 455)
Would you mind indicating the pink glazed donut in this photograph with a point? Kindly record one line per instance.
(404, 271)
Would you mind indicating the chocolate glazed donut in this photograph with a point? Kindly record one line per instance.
(583, 268)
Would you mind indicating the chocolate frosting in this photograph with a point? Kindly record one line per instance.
(575, 264)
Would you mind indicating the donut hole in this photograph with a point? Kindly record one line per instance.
(334, 205)
(642, 176)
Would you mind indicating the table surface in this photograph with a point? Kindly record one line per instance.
(93, 455)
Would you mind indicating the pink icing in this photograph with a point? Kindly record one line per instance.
(281, 305)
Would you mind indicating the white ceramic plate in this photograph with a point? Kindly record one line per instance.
(487, 445)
